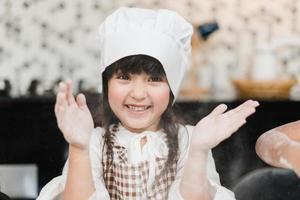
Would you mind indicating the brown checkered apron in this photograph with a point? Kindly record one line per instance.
(125, 181)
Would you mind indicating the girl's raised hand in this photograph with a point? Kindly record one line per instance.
(73, 116)
(219, 125)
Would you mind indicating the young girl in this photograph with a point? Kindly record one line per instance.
(141, 152)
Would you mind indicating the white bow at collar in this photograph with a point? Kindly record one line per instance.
(155, 147)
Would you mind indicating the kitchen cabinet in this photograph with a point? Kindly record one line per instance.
(29, 135)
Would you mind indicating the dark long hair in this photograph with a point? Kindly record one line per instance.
(137, 64)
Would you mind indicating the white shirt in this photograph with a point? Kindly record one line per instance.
(154, 147)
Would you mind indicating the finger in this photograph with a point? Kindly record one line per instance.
(61, 104)
(251, 103)
(233, 126)
(61, 93)
(81, 101)
(57, 103)
(248, 109)
(247, 104)
(239, 119)
(62, 87)
(237, 124)
(70, 97)
(60, 97)
(218, 110)
(60, 115)
(236, 109)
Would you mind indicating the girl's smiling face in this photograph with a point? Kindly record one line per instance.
(138, 100)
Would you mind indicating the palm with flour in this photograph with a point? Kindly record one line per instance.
(297, 166)
(219, 125)
(293, 159)
(73, 116)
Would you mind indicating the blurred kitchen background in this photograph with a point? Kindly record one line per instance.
(241, 49)
(44, 41)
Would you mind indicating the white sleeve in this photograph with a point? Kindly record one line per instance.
(96, 148)
(54, 189)
(222, 193)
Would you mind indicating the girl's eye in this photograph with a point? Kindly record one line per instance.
(155, 79)
(123, 77)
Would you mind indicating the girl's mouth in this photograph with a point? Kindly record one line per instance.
(137, 108)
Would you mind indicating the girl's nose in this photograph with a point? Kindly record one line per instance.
(139, 91)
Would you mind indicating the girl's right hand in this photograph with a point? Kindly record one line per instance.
(73, 116)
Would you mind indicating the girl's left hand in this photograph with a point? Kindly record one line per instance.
(219, 125)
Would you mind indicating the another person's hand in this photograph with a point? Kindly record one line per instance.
(73, 116)
(219, 125)
(296, 167)
(293, 157)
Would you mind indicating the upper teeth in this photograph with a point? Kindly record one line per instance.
(139, 108)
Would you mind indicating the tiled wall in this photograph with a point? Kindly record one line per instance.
(52, 39)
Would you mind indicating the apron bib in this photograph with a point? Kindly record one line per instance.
(126, 181)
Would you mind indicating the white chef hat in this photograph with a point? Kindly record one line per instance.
(161, 34)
